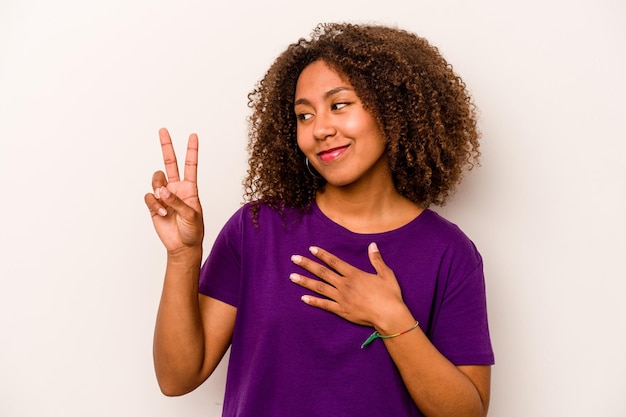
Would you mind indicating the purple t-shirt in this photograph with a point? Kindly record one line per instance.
(291, 359)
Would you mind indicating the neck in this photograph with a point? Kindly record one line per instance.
(374, 210)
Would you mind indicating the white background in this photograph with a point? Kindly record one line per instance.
(85, 86)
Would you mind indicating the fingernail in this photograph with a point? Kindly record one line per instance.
(374, 247)
(157, 193)
(296, 259)
(313, 250)
(162, 212)
(165, 192)
(294, 277)
(306, 298)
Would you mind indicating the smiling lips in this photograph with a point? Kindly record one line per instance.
(332, 154)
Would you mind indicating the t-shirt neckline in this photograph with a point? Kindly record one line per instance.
(342, 229)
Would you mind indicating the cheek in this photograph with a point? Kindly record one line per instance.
(353, 125)
(299, 140)
(362, 125)
(303, 144)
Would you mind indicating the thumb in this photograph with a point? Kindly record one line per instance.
(376, 259)
(175, 203)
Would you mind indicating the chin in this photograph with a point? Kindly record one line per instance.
(338, 183)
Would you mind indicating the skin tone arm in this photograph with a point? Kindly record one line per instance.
(438, 387)
(192, 331)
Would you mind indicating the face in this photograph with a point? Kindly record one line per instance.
(339, 137)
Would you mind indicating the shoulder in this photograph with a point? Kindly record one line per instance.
(440, 228)
(260, 215)
(448, 236)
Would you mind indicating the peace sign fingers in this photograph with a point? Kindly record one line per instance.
(174, 203)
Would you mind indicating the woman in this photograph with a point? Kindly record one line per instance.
(354, 133)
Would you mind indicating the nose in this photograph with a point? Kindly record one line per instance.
(323, 127)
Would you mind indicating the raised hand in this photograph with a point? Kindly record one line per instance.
(360, 297)
(174, 204)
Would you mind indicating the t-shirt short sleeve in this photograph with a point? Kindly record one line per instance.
(461, 332)
(220, 275)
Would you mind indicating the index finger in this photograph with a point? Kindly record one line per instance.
(191, 159)
(169, 156)
(335, 263)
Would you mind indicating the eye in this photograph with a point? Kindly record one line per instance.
(303, 116)
(339, 106)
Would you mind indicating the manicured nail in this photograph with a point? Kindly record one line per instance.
(313, 250)
(306, 299)
(374, 247)
(165, 192)
(296, 259)
(294, 277)
(157, 193)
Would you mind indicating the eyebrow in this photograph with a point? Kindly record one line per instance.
(327, 94)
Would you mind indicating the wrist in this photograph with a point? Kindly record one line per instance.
(395, 320)
(377, 335)
(185, 255)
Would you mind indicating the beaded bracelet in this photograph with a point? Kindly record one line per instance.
(377, 335)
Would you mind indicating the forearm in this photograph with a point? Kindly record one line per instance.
(179, 336)
(438, 387)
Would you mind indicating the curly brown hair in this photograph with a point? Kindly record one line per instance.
(422, 107)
